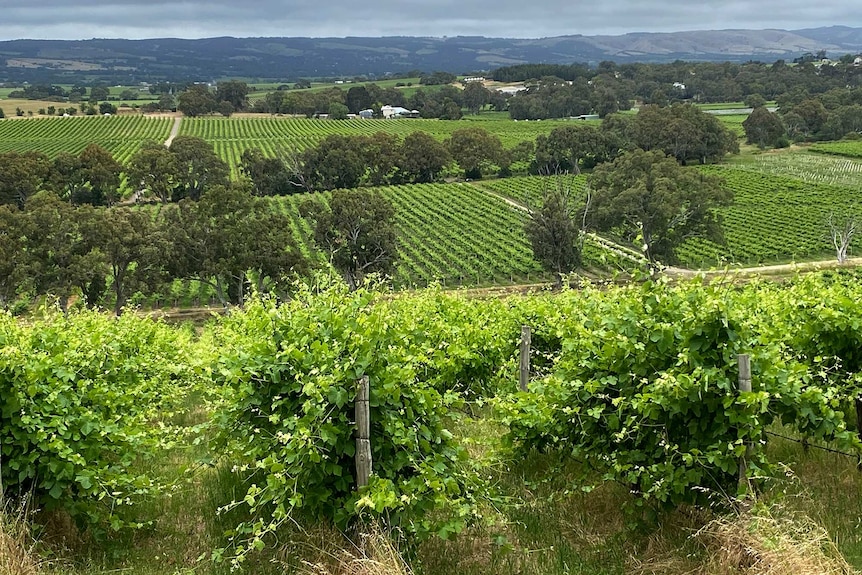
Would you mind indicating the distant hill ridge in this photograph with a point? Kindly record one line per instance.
(290, 58)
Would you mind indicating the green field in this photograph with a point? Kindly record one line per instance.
(774, 217)
(182, 425)
(782, 199)
(733, 122)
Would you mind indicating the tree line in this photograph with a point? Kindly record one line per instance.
(445, 102)
(802, 117)
(229, 240)
(681, 131)
(698, 81)
(189, 166)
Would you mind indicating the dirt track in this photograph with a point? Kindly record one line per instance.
(175, 130)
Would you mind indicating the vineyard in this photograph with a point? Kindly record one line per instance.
(231, 136)
(455, 234)
(632, 410)
(120, 135)
(815, 168)
(452, 233)
(851, 149)
(528, 190)
(773, 218)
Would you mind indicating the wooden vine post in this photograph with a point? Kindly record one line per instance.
(526, 341)
(744, 362)
(859, 415)
(859, 425)
(363, 433)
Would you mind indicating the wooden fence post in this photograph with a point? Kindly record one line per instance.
(744, 362)
(526, 340)
(859, 425)
(363, 433)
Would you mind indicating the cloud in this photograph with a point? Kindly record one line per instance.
(80, 19)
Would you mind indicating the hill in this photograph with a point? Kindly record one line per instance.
(129, 61)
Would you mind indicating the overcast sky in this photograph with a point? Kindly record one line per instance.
(82, 19)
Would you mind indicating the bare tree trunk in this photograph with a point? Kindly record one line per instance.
(220, 292)
(842, 234)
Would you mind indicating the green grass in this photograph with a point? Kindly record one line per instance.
(542, 524)
(733, 122)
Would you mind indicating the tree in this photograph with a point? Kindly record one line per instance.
(227, 233)
(554, 231)
(153, 169)
(197, 100)
(381, 156)
(13, 259)
(66, 178)
(338, 111)
(358, 99)
(681, 130)
(99, 93)
(653, 201)
(812, 116)
(102, 172)
(107, 108)
(474, 149)
(268, 176)
(225, 109)
(450, 110)
(421, 158)
(133, 248)
(2, 114)
(234, 92)
(475, 96)
(197, 167)
(569, 148)
(62, 255)
(22, 175)
(764, 128)
(754, 101)
(357, 229)
(335, 162)
(167, 103)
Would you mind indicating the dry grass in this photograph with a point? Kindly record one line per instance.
(375, 554)
(758, 540)
(17, 554)
(10, 104)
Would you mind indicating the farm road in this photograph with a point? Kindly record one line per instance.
(175, 130)
(621, 251)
